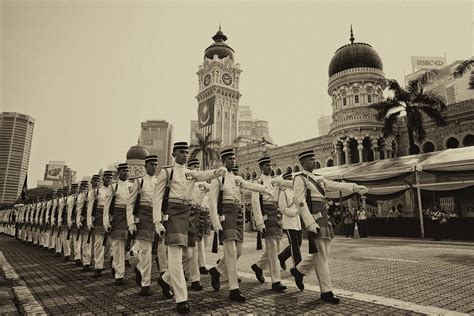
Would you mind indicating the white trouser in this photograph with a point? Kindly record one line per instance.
(178, 256)
(52, 239)
(43, 239)
(203, 245)
(162, 256)
(270, 258)
(58, 241)
(194, 265)
(86, 250)
(66, 243)
(228, 264)
(144, 260)
(127, 254)
(118, 253)
(318, 262)
(98, 252)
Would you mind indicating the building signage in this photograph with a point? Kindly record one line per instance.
(420, 62)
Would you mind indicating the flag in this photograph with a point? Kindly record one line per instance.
(206, 112)
(24, 191)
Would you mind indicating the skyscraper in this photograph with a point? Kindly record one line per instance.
(16, 134)
(157, 138)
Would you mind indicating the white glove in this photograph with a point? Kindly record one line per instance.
(218, 228)
(79, 225)
(360, 189)
(314, 228)
(132, 228)
(261, 228)
(220, 172)
(160, 229)
(268, 191)
(107, 228)
(90, 226)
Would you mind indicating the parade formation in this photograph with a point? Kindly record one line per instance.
(167, 216)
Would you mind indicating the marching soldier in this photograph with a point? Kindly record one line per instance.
(140, 222)
(291, 224)
(62, 229)
(205, 228)
(115, 221)
(227, 219)
(310, 191)
(55, 227)
(81, 222)
(268, 223)
(95, 220)
(175, 187)
(72, 224)
(50, 222)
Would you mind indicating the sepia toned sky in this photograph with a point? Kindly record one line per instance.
(90, 71)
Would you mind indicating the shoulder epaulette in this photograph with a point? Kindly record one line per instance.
(166, 167)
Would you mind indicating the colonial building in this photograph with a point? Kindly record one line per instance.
(356, 80)
(136, 160)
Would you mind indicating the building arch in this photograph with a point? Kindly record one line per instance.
(353, 151)
(296, 168)
(329, 162)
(318, 165)
(367, 151)
(278, 171)
(468, 140)
(428, 146)
(451, 142)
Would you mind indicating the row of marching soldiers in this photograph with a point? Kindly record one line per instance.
(164, 213)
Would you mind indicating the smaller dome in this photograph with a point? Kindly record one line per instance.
(219, 47)
(137, 152)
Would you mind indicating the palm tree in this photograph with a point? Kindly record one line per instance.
(464, 67)
(206, 146)
(413, 102)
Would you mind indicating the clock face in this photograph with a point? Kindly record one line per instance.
(207, 79)
(227, 79)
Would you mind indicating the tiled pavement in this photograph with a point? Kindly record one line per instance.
(441, 276)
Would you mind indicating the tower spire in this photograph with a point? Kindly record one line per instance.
(352, 36)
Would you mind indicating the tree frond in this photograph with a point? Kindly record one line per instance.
(415, 119)
(463, 67)
(471, 81)
(389, 125)
(384, 107)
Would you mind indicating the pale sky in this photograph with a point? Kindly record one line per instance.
(90, 71)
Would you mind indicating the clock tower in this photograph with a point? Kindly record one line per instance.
(218, 97)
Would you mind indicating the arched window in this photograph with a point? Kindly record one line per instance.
(452, 142)
(272, 173)
(329, 163)
(278, 172)
(468, 140)
(354, 151)
(296, 169)
(428, 147)
(289, 170)
(318, 165)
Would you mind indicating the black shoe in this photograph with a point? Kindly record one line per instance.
(119, 281)
(86, 268)
(182, 307)
(145, 291)
(58, 254)
(165, 288)
(239, 280)
(138, 277)
(278, 287)
(236, 296)
(203, 270)
(127, 263)
(51, 249)
(282, 264)
(66, 259)
(298, 278)
(215, 279)
(330, 298)
(98, 273)
(196, 286)
(78, 263)
(112, 272)
(258, 273)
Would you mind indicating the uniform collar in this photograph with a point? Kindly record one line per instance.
(178, 166)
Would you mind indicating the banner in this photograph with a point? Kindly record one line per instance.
(206, 112)
(54, 172)
(420, 62)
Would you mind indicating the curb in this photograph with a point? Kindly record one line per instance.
(22, 296)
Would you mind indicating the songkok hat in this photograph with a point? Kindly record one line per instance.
(151, 158)
(180, 145)
(193, 162)
(74, 185)
(122, 166)
(286, 176)
(95, 177)
(66, 187)
(306, 154)
(108, 173)
(227, 152)
(60, 190)
(83, 182)
(264, 160)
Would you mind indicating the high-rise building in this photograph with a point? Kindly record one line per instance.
(16, 134)
(157, 137)
(324, 124)
(218, 96)
(251, 128)
(453, 90)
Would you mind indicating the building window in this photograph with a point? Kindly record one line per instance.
(344, 101)
(369, 98)
(356, 99)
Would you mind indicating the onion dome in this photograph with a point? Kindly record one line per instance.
(219, 47)
(354, 55)
(137, 152)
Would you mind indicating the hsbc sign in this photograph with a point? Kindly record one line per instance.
(418, 62)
